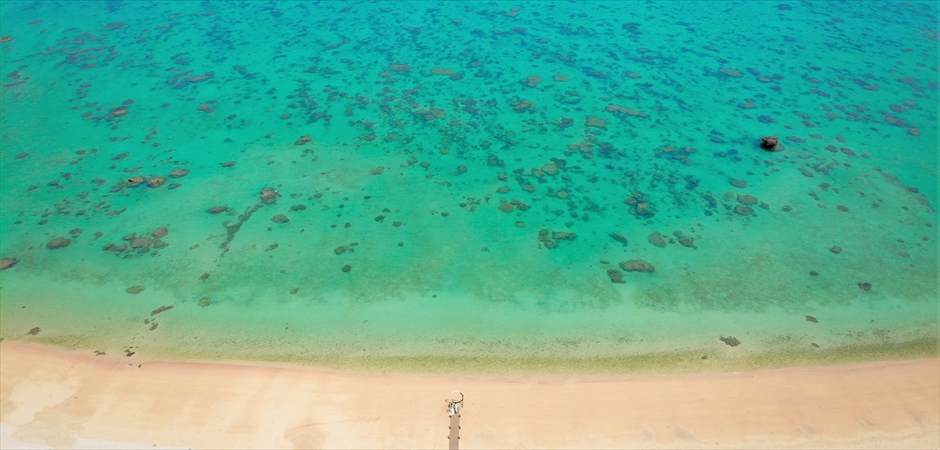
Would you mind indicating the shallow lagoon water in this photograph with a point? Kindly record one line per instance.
(468, 163)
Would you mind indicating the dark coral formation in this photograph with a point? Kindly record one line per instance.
(639, 206)
(615, 275)
(7, 263)
(161, 232)
(637, 265)
(140, 244)
(619, 238)
(656, 238)
(59, 242)
(269, 195)
(548, 239)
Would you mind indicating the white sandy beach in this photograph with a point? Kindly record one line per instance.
(53, 398)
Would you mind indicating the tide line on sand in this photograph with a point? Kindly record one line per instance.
(55, 398)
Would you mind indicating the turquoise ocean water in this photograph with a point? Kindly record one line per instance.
(454, 185)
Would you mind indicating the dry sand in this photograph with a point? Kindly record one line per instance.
(53, 398)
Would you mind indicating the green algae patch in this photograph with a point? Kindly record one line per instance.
(651, 363)
(669, 362)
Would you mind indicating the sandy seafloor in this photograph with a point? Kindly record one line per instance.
(458, 183)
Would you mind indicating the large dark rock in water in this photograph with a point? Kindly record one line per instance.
(637, 265)
(58, 242)
(769, 142)
(6, 263)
